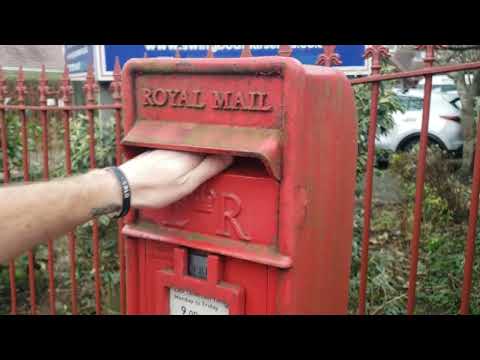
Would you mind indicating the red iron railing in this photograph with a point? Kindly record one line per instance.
(66, 109)
(377, 52)
(329, 58)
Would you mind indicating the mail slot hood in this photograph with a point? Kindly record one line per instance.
(261, 143)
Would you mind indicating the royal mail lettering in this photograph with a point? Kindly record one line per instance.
(196, 99)
(172, 97)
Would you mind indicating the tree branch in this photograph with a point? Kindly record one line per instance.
(462, 47)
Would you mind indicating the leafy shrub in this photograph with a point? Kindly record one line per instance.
(15, 146)
(388, 104)
(442, 242)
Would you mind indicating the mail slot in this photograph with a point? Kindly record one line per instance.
(273, 233)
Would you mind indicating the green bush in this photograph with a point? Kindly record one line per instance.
(388, 104)
(442, 242)
(15, 146)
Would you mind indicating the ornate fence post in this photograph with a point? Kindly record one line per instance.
(65, 94)
(420, 178)
(116, 91)
(91, 88)
(376, 52)
(21, 91)
(43, 91)
(6, 180)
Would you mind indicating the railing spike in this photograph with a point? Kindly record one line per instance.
(285, 50)
(329, 56)
(246, 52)
(43, 87)
(210, 52)
(376, 52)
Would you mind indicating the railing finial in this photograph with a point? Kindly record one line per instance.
(21, 88)
(210, 52)
(246, 52)
(285, 50)
(90, 87)
(66, 89)
(43, 87)
(376, 52)
(116, 84)
(3, 87)
(430, 54)
(329, 56)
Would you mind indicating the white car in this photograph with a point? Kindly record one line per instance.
(441, 83)
(444, 129)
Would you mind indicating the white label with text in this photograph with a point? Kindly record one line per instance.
(183, 302)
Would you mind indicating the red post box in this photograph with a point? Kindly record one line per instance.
(273, 233)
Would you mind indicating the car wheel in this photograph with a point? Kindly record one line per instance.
(410, 144)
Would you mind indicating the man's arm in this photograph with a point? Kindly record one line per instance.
(34, 213)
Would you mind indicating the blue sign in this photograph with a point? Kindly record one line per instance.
(78, 58)
(351, 55)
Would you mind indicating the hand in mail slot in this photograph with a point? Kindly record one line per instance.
(161, 177)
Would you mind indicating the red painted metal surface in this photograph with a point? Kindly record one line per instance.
(66, 91)
(214, 287)
(420, 181)
(376, 53)
(472, 230)
(263, 144)
(6, 180)
(21, 92)
(285, 50)
(210, 52)
(246, 52)
(43, 91)
(437, 70)
(116, 89)
(271, 230)
(255, 253)
(90, 89)
(329, 56)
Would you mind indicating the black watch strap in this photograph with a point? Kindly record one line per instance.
(126, 193)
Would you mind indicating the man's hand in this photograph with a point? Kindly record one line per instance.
(34, 213)
(158, 178)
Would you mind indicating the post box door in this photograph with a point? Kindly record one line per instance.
(245, 285)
